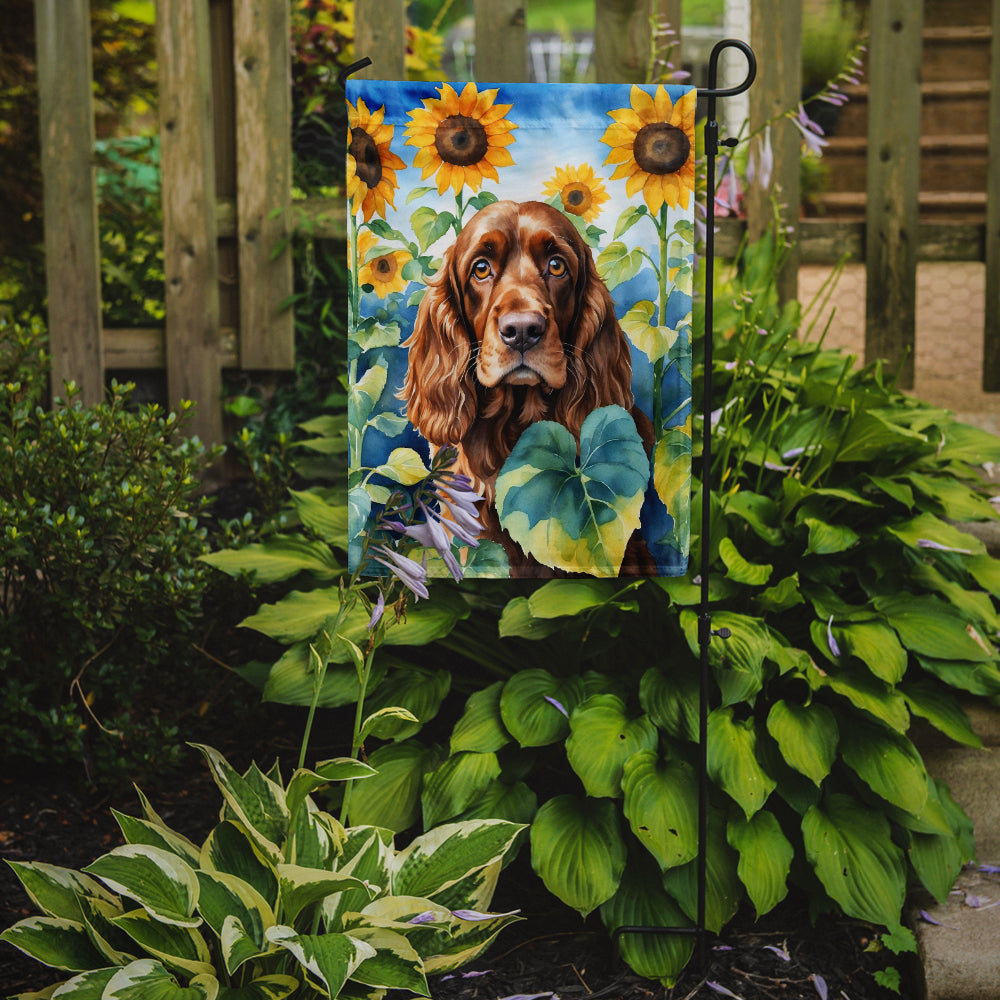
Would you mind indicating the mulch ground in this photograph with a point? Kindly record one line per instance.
(551, 953)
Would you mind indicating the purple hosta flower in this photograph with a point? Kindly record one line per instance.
(990, 869)
(460, 500)
(760, 164)
(465, 975)
(820, 983)
(475, 915)
(558, 705)
(927, 543)
(780, 952)
(531, 996)
(377, 612)
(427, 917)
(408, 571)
(834, 648)
(719, 988)
(812, 134)
(729, 194)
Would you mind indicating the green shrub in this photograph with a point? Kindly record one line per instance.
(280, 899)
(101, 584)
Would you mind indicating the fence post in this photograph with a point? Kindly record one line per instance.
(190, 250)
(380, 34)
(72, 255)
(893, 183)
(622, 40)
(501, 41)
(776, 34)
(991, 333)
(262, 61)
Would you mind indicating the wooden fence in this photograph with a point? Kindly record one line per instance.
(226, 161)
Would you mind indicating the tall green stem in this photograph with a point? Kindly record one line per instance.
(359, 717)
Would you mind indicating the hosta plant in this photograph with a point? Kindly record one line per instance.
(279, 900)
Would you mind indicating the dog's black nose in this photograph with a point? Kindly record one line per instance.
(520, 331)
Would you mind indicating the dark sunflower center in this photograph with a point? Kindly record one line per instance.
(661, 148)
(385, 267)
(460, 140)
(576, 198)
(365, 154)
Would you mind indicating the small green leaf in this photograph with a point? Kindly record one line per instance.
(807, 736)
(732, 760)
(765, 858)
(404, 466)
(481, 726)
(741, 571)
(617, 264)
(654, 341)
(456, 784)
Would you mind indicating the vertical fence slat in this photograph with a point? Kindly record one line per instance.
(261, 59)
(668, 13)
(622, 37)
(380, 34)
(72, 257)
(190, 253)
(991, 332)
(501, 41)
(776, 35)
(893, 183)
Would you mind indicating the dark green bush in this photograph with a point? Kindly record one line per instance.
(100, 587)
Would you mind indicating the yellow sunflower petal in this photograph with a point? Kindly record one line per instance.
(493, 117)
(618, 135)
(486, 168)
(628, 118)
(643, 104)
(444, 177)
(619, 154)
(634, 184)
(468, 99)
(664, 106)
(652, 192)
(498, 157)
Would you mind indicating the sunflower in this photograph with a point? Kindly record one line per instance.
(461, 136)
(385, 272)
(580, 192)
(371, 165)
(653, 144)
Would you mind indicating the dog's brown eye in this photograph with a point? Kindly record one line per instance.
(557, 267)
(481, 269)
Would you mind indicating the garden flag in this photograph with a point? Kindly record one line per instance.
(521, 262)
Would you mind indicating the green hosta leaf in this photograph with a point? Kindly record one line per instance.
(162, 883)
(876, 646)
(529, 706)
(641, 901)
(765, 858)
(330, 959)
(654, 341)
(327, 520)
(516, 803)
(230, 849)
(575, 517)
(391, 798)
(888, 763)
(617, 264)
(260, 809)
(828, 539)
(807, 736)
(147, 979)
(456, 784)
(517, 620)
(932, 628)
(783, 595)
(301, 887)
(661, 798)
(578, 851)
(927, 528)
(870, 436)
(986, 572)
(671, 700)
(559, 598)
(957, 501)
(404, 466)
(274, 987)
(440, 858)
(180, 948)
(738, 569)
(481, 727)
(723, 889)
(937, 858)
(850, 847)
(279, 558)
(395, 964)
(418, 690)
(54, 941)
(865, 692)
(936, 704)
(976, 678)
(304, 782)
(386, 723)
(738, 661)
(732, 760)
(760, 512)
(56, 891)
(602, 738)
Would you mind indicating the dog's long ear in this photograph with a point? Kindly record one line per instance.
(599, 371)
(439, 389)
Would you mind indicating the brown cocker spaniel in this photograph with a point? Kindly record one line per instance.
(517, 326)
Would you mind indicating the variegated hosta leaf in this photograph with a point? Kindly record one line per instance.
(86, 986)
(467, 940)
(661, 798)
(440, 858)
(56, 891)
(300, 887)
(367, 853)
(99, 915)
(274, 987)
(304, 782)
(732, 760)
(578, 851)
(225, 897)
(54, 941)
(765, 858)
(315, 838)
(602, 738)
(257, 802)
(851, 849)
(149, 980)
(177, 947)
(230, 849)
(395, 964)
(328, 959)
(807, 735)
(143, 831)
(158, 880)
(642, 902)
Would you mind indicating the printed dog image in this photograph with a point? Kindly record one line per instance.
(516, 327)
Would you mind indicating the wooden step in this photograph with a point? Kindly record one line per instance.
(945, 104)
(957, 206)
(956, 53)
(940, 13)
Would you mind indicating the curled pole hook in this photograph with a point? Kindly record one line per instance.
(713, 91)
(353, 68)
